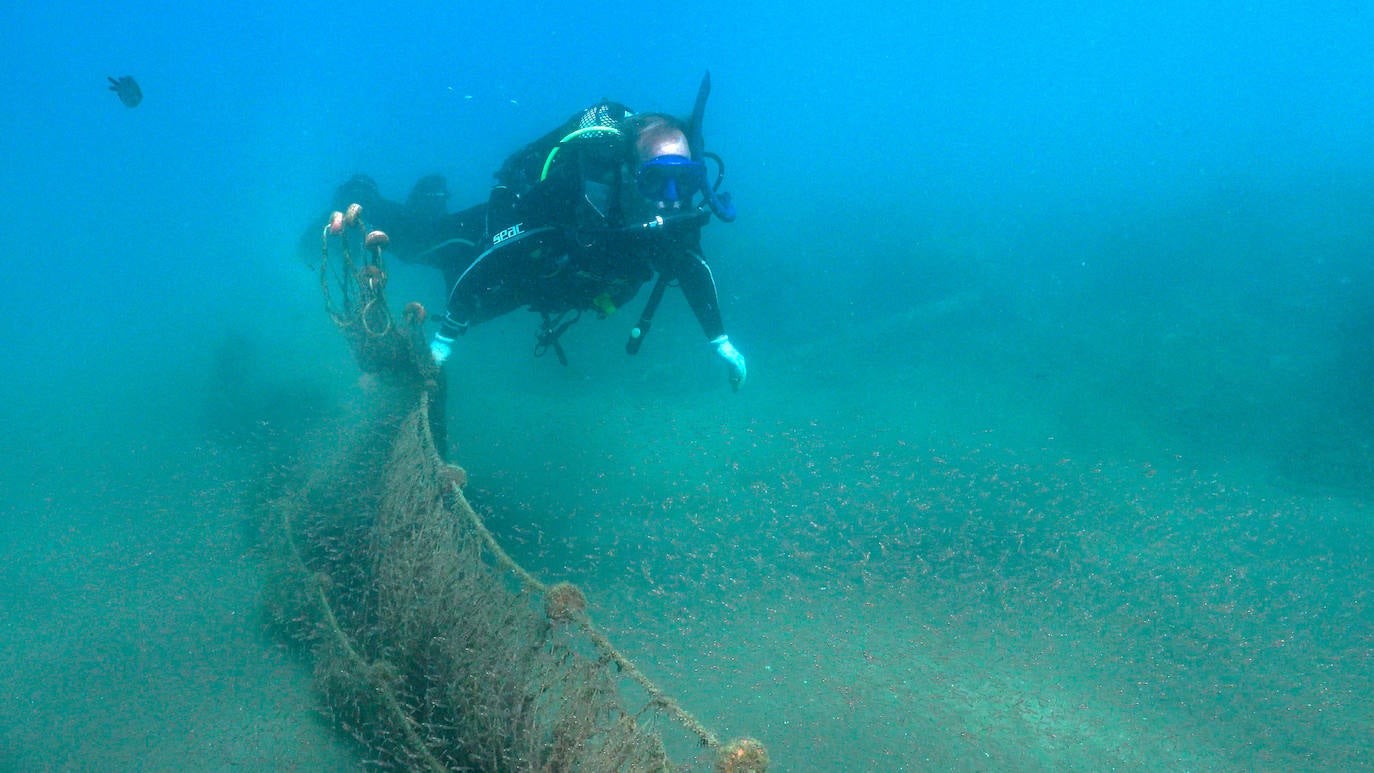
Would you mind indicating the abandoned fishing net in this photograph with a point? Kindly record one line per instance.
(430, 646)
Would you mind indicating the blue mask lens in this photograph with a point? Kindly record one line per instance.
(671, 178)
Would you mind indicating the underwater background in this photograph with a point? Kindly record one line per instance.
(1055, 452)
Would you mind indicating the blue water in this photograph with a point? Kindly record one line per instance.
(1056, 450)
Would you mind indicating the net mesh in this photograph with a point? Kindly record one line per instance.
(430, 645)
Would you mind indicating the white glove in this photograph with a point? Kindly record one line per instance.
(440, 348)
(732, 357)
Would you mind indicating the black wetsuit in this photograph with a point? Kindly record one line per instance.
(553, 269)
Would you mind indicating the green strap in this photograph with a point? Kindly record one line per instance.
(548, 162)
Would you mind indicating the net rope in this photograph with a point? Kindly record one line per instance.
(431, 646)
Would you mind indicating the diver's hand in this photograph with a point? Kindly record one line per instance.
(727, 351)
(440, 348)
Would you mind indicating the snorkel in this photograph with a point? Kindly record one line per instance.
(719, 203)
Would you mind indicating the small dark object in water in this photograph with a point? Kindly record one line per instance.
(127, 89)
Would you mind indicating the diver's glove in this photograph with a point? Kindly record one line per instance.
(732, 357)
(440, 348)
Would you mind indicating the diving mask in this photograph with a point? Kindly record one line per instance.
(671, 178)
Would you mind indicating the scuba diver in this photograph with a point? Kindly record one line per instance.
(578, 221)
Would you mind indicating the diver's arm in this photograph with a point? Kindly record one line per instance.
(486, 286)
(699, 287)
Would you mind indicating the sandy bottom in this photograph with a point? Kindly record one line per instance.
(866, 581)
